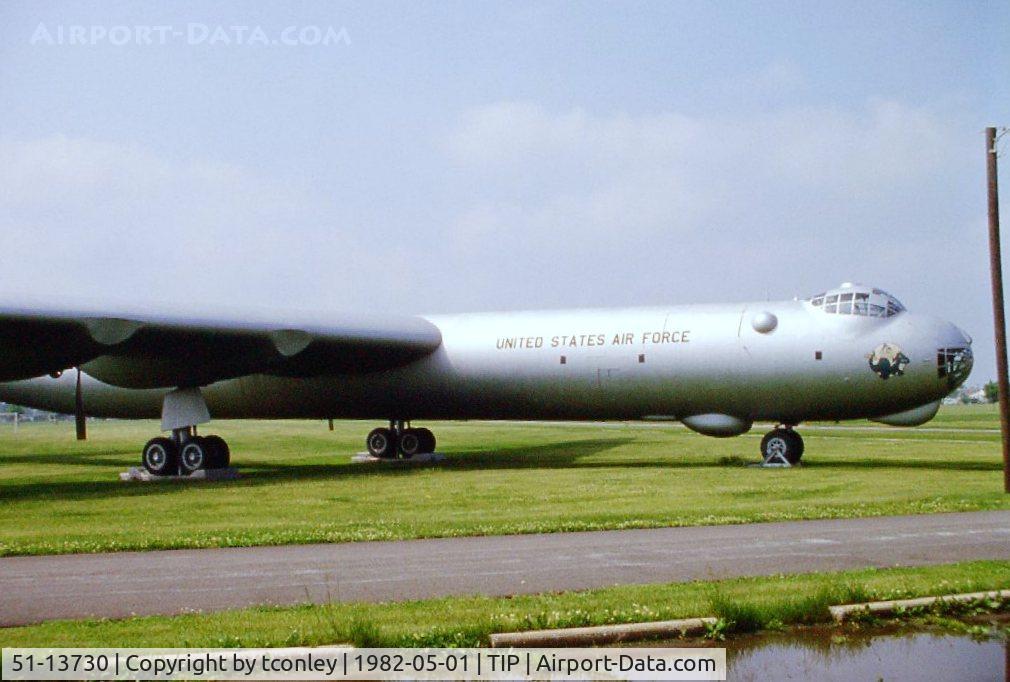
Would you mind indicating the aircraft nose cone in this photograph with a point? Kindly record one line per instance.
(964, 335)
(951, 336)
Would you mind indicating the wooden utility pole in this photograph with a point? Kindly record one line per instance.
(999, 317)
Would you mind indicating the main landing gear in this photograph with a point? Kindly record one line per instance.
(399, 440)
(782, 447)
(185, 452)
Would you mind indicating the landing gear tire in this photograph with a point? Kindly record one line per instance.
(782, 446)
(218, 451)
(194, 455)
(427, 440)
(160, 457)
(382, 443)
(798, 445)
(411, 443)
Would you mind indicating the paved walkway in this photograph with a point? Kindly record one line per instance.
(115, 585)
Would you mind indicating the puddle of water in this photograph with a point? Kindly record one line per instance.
(917, 656)
(892, 654)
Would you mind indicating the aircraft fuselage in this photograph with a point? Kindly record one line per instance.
(662, 362)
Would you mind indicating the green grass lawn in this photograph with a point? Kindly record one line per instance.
(298, 485)
(467, 621)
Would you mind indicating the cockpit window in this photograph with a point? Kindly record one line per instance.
(861, 304)
(854, 299)
(845, 304)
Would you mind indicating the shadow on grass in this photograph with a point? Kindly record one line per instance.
(563, 455)
(892, 463)
(547, 456)
(121, 458)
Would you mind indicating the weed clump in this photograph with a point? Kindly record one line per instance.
(742, 616)
(364, 634)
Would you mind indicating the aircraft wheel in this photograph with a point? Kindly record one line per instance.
(427, 440)
(782, 444)
(411, 443)
(218, 451)
(194, 455)
(381, 443)
(797, 447)
(160, 457)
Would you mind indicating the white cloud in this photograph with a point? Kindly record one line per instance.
(884, 140)
(575, 173)
(90, 218)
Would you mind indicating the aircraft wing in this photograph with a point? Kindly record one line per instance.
(155, 351)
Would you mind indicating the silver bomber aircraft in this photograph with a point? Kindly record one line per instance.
(850, 353)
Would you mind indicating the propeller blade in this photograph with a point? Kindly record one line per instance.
(79, 417)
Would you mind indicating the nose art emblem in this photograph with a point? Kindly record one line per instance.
(887, 360)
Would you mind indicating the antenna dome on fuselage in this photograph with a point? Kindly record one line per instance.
(857, 299)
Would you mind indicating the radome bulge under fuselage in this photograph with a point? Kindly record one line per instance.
(787, 361)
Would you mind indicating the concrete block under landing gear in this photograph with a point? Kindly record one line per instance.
(774, 465)
(142, 474)
(420, 458)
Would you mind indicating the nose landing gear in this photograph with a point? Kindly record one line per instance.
(399, 440)
(781, 447)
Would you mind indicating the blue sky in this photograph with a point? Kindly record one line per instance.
(464, 156)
